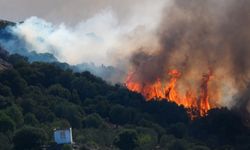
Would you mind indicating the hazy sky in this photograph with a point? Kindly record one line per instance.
(73, 11)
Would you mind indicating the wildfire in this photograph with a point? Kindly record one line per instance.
(197, 102)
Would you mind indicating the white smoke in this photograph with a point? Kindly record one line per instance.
(88, 41)
(102, 39)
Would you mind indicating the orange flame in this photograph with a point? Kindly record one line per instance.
(195, 101)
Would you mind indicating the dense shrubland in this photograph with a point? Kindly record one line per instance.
(37, 97)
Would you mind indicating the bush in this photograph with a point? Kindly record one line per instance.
(6, 123)
(30, 119)
(93, 121)
(4, 142)
(69, 112)
(127, 140)
(5, 90)
(120, 115)
(29, 138)
(179, 130)
(58, 90)
(166, 140)
(16, 114)
(178, 145)
(67, 147)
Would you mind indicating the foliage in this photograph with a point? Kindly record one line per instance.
(30, 119)
(67, 147)
(93, 121)
(6, 123)
(37, 97)
(4, 142)
(29, 138)
(16, 115)
(127, 140)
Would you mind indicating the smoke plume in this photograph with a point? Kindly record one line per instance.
(201, 37)
(106, 38)
(103, 33)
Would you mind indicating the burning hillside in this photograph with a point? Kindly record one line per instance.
(197, 101)
(202, 60)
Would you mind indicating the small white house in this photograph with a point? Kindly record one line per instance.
(63, 136)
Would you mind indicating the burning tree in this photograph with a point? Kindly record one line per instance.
(202, 57)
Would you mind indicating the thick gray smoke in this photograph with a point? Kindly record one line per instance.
(197, 37)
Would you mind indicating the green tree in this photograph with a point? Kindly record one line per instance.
(147, 138)
(166, 140)
(119, 114)
(127, 140)
(28, 105)
(93, 121)
(29, 138)
(84, 87)
(5, 102)
(179, 130)
(16, 114)
(201, 147)
(67, 147)
(18, 60)
(5, 90)
(178, 145)
(30, 119)
(58, 90)
(12, 79)
(61, 124)
(75, 98)
(6, 123)
(102, 106)
(70, 112)
(5, 143)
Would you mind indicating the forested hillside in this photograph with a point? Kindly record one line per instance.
(37, 97)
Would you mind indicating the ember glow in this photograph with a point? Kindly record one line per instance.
(197, 101)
